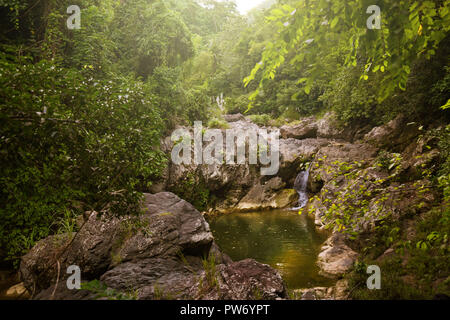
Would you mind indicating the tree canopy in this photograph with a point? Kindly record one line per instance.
(83, 111)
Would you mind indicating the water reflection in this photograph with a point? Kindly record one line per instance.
(281, 239)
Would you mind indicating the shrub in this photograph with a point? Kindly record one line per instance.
(69, 142)
(236, 105)
(261, 119)
(218, 124)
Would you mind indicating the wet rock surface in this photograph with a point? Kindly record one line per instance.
(270, 195)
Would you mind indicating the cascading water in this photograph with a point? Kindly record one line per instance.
(300, 184)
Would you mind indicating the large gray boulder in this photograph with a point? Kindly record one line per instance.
(295, 152)
(328, 127)
(336, 258)
(395, 135)
(267, 196)
(305, 128)
(244, 280)
(233, 117)
(159, 254)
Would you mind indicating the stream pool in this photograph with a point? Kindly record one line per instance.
(282, 239)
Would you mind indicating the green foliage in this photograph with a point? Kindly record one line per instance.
(91, 47)
(444, 173)
(149, 35)
(70, 142)
(209, 265)
(446, 106)
(433, 230)
(388, 161)
(101, 291)
(236, 105)
(419, 267)
(353, 100)
(67, 224)
(261, 119)
(83, 111)
(161, 294)
(357, 200)
(310, 31)
(441, 91)
(218, 124)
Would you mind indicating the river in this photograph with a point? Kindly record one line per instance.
(281, 238)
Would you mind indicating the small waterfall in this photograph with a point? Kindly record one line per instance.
(300, 184)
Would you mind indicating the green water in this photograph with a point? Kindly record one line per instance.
(282, 239)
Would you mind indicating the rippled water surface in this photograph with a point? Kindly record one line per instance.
(281, 239)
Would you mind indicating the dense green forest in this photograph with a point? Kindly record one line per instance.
(83, 111)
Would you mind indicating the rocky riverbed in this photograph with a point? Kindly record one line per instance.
(345, 167)
(169, 251)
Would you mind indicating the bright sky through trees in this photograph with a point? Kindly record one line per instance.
(245, 5)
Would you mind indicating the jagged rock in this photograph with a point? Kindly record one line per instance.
(314, 184)
(336, 258)
(335, 261)
(326, 184)
(328, 128)
(244, 280)
(337, 292)
(395, 135)
(293, 149)
(229, 184)
(340, 290)
(306, 128)
(330, 157)
(309, 295)
(17, 291)
(294, 152)
(318, 293)
(270, 195)
(244, 125)
(348, 152)
(158, 254)
(417, 156)
(274, 184)
(284, 199)
(258, 199)
(166, 276)
(91, 250)
(319, 212)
